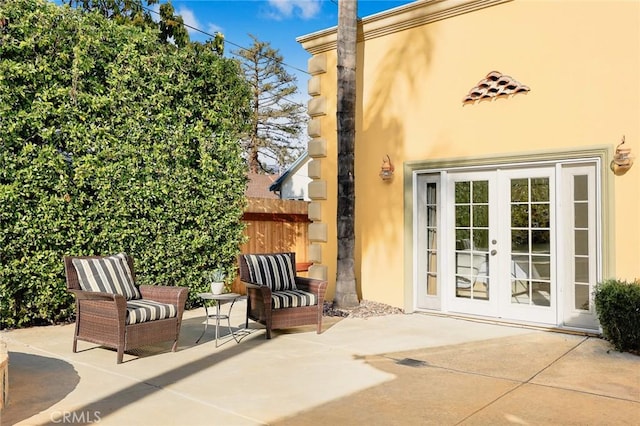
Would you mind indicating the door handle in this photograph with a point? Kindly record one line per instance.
(494, 252)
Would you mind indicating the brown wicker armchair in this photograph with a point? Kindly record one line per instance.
(276, 307)
(118, 320)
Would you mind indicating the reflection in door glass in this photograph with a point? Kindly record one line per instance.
(581, 234)
(530, 242)
(480, 192)
(540, 190)
(472, 239)
(432, 235)
(481, 239)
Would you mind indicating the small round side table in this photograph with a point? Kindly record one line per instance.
(219, 299)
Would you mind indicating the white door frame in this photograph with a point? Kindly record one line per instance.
(565, 315)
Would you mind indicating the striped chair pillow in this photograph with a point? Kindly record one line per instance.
(293, 299)
(273, 270)
(147, 310)
(110, 274)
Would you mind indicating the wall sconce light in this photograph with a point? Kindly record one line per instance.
(622, 160)
(386, 171)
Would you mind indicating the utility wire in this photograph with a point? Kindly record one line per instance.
(240, 47)
(226, 41)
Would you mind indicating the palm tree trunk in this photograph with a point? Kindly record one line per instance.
(346, 292)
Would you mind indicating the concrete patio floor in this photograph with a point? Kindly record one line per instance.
(392, 370)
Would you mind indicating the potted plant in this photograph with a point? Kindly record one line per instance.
(216, 278)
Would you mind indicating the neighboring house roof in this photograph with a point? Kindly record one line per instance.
(258, 186)
(277, 185)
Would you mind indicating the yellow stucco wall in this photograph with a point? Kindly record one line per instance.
(582, 63)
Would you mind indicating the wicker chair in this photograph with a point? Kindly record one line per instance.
(273, 307)
(103, 317)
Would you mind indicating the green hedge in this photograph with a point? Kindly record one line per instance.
(618, 308)
(112, 141)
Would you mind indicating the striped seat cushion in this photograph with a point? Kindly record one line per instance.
(292, 299)
(110, 274)
(147, 310)
(273, 270)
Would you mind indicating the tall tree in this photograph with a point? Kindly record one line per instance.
(346, 292)
(170, 25)
(277, 121)
(118, 10)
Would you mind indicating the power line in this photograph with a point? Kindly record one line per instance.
(226, 41)
(241, 48)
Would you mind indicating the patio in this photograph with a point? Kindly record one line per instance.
(395, 369)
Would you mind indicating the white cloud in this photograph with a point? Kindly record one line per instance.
(155, 16)
(193, 25)
(213, 28)
(189, 19)
(305, 9)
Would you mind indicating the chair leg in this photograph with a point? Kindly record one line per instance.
(75, 334)
(246, 324)
(175, 345)
(267, 324)
(120, 354)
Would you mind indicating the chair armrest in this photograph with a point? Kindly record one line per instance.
(263, 290)
(250, 285)
(165, 294)
(95, 295)
(101, 304)
(312, 285)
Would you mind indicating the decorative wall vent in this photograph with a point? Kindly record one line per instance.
(493, 86)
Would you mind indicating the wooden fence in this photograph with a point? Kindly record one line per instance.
(273, 226)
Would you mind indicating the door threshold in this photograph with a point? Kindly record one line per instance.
(514, 323)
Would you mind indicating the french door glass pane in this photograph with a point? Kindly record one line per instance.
(481, 215)
(540, 215)
(581, 233)
(541, 267)
(463, 215)
(581, 188)
(582, 297)
(541, 293)
(581, 266)
(540, 241)
(581, 215)
(539, 190)
(519, 190)
(463, 193)
(432, 235)
(519, 241)
(480, 191)
(481, 239)
(530, 242)
(581, 238)
(519, 215)
(472, 239)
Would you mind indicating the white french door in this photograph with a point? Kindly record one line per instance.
(472, 245)
(527, 238)
(501, 244)
(513, 243)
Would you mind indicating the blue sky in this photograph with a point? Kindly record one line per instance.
(278, 22)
